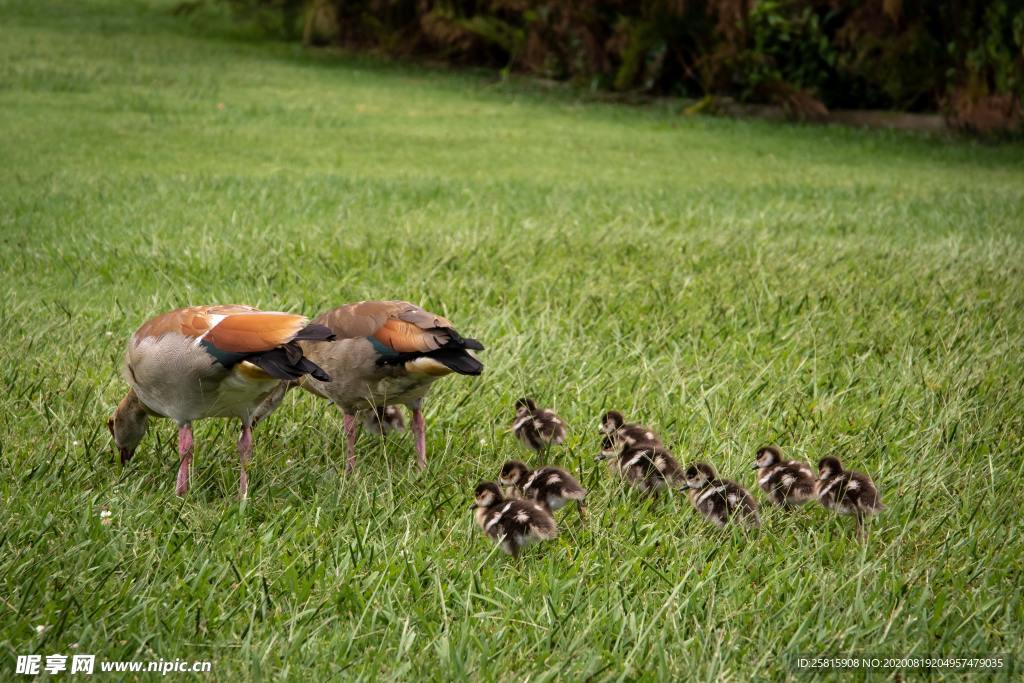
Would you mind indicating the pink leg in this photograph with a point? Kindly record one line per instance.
(185, 453)
(350, 442)
(419, 430)
(244, 456)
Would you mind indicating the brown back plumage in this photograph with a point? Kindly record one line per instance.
(231, 328)
(400, 325)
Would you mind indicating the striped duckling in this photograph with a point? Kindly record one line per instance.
(382, 420)
(719, 500)
(513, 524)
(786, 482)
(648, 466)
(537, 428)
(847, 492)
(552, 487)
(618, 434)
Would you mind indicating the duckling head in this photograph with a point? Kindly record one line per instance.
(698, 475)
(513, 473)
(829, 467)
(610, 448)
(525, 406)
(611, 421)
(766, 457)
(487, 494)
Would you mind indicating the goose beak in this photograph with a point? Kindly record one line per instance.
(600, 456)
(755, 466)
(126, 453)
(474, 506)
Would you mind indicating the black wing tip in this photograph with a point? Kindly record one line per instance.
(464, 364)
(315, 332)
(288, 363)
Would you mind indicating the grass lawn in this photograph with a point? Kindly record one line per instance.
(727, 282)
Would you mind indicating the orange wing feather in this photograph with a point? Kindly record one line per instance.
(399, 325)
(402, 336)
(230, 328)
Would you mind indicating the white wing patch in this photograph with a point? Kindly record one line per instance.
(635, 459)
(520, 422)
(215, 319)
(788, 479)
(831, 485)
(710, 492)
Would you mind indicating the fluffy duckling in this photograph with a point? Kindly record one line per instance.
(847, 492)
(552, 487)
(648, 466)
(719, 500)
(787, 482)
(513, 524)
(382, 420)
(620, 434)
(537, 428)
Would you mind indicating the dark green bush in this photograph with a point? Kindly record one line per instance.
(966, 56)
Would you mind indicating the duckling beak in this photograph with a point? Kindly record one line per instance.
(755, 466)
(474, 506)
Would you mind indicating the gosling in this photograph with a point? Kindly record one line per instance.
(618, 434)
(537, 428)
(513, 524)
(720, 500)
(787, 483)
(846, 492)
(552, 487)
(647, 466)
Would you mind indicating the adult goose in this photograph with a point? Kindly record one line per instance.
(209, 361)
(386, 353)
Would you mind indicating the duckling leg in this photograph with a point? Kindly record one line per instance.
(581, 507)
(185, 453)
(419, 431)
(350, 441)
(862, 532)
(244, 456)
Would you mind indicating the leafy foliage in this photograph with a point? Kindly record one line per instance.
(905, 54)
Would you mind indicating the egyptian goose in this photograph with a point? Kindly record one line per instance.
(383, 420)
(209, 361)
(846, 492)
(618, 434)
(513, 524)
(537, 428)
(719, 500)
(787, 482)
(386, 353)
(648, 466)
(552, 487)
